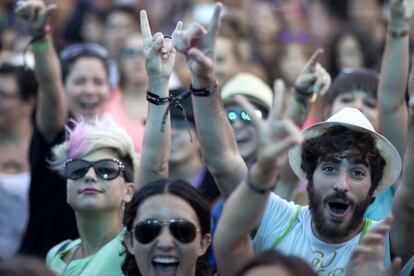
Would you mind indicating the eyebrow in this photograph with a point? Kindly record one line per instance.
(337, 160)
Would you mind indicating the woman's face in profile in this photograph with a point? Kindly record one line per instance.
(167, 240)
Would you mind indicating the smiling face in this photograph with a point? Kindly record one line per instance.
(91, 193)
(87, 87)
(339, 197)
(165, 255)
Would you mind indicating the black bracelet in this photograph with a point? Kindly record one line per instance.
(398, 34)
(204, 92)
(256, 189)
(157, 100)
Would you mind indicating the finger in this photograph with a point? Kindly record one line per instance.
(279, 97)
(396, 265)
(215, 19)
(194, 31)
(293, 130)
(145, 27)
(313, 60)
(373, 239)
(49, 9)
(249, 109)
(168, 47)
(158, 45)
(34, 14)
(326, 83)
(200, 58)
(281, 147)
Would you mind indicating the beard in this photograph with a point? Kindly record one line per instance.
(335, 230)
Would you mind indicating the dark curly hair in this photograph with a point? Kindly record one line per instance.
(178, 188)
(335, 141)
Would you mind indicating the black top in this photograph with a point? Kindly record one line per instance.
(51, 219)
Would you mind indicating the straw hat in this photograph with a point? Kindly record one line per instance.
(354, 119)
(248, 85)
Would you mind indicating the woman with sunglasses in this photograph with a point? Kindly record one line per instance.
(167, 230)
(98, 162)
(81, 89)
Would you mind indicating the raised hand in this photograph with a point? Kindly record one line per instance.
(275, 135)
(367, 258)
(402, 9)
(36, 14)
(313, 78)
(198, 45)
(158, 50)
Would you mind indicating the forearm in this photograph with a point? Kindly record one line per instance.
(392, 85)
(297, 108)
(241, 214)
(52, 109)
(157, 143)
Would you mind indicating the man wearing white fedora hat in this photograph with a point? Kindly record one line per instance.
(345, 162)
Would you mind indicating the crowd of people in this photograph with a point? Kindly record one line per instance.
(200, 138)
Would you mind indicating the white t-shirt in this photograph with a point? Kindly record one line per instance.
(14, 211)
(324, 258)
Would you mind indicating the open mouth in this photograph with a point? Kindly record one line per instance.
(165, 266)
(338, 209)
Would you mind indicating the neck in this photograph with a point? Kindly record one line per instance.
(340, 238)
(96, 230)
(187, 171)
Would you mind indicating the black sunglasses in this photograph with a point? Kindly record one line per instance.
(147, 230)
(106, 169)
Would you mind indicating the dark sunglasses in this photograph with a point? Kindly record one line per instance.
(239, 113)
(182, 230)
(106, 169)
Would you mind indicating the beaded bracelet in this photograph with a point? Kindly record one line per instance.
(398, 34)
(204, 92)
(157, 100)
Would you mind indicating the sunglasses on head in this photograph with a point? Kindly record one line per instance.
(238, 113)
(106, 169)
(182, 230)
(78, 49)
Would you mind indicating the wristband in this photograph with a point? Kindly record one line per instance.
(39, 47)
(256, 189)
(157, 100)
(204, 92)
(398, 34)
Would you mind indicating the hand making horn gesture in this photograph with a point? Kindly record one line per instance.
(197, 44)
(158, 50)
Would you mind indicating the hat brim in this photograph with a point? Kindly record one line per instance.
(393, 163)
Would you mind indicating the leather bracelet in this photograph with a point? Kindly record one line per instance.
(256, 189)
(398, 34)
(157, 100)
(204, 92)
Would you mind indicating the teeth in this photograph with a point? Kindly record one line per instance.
(165, 260)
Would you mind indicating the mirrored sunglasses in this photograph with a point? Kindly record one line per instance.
(182, 230)
(240, 114)
(106, 169)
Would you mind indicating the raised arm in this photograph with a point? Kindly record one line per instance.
(52, 107)
(217, 142)
(159, 62)
(394, 74)
(402, 228)
(244, 208)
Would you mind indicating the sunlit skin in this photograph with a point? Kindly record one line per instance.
(360, 100)
(149, 256)
(340, 184)
(87, 87)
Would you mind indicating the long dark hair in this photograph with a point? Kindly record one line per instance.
(178, 188)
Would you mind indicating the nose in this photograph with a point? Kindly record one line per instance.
(165, 239)
(341, 183)
(90, 176)
(237, 123)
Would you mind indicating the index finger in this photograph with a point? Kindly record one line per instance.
(248, 108)
(145, 27)
(313, 60)
(215, 19)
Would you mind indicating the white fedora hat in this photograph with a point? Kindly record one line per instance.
(354, 119)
